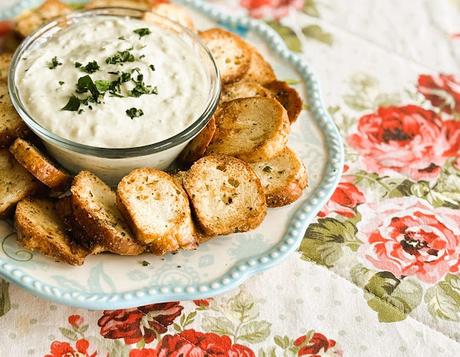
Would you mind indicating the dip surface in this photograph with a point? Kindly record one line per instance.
(149, 83)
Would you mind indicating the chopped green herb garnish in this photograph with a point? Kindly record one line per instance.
(85, 84)
(115, 73)
(73, 104)
(122, 38)
(102, 86)
(61, 83)
(134, 113)
(115, 85)
(143, 32)
(54, 63)
(91, 67)
(141, 89)
(125, 77)
(120, 57)
(152, 67)
(145, 263)
(141, 56)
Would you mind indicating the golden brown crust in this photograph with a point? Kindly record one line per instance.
(149, 185)
(289, 194)
(179, 177)
(283, 178)
(231, 53)
(240, 89)
(65, 212)
(15, 183)
(39, 165)
(252, 129)
(196, 148)
(5, 60)
(11, 125)
(288, 97)
(29, 21)
(107, 228)
(260, 71)
(215, 184)
(40, 229)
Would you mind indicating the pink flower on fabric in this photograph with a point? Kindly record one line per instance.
(75, 320)
(191, 343)
(443, 91)
(318, 345)
(408, 140)
(273, 9)
(64, 349)
(408, 237)
(343, 201)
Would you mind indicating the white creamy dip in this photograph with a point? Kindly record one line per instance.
(162, 58)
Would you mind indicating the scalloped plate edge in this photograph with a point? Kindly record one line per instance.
(244, 268)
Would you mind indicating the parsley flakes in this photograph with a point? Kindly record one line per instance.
(86, 84)
(54, 63)
(143, 32)
(134, 113)
(73, 104)
(102, 85)
(120, 57)
(91, 67)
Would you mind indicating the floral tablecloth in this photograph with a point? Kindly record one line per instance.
(378, 273)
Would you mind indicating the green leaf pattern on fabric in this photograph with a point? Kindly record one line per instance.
(254, 331)
(317, 33)
(324, 241)
(288, 35)
(392, 298)
(220, 325)
(310, 8)
(443, 299)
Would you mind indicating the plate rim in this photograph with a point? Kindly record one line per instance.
(243, 268)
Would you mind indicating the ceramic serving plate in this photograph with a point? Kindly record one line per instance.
(109, 282)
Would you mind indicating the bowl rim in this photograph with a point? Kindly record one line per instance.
(106, 152)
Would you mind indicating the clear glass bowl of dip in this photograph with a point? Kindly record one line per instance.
(111, 164)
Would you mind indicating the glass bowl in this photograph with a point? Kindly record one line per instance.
(111, 164)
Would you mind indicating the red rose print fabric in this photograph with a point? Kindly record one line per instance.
(64, 349)
(315, 346)
(202, 303)
(75, 320)
(443, 91)
(135, 324)
(407, 140)
(407, 236)
(145, 352)
(395, 216)
(344, 200)
(271, 8)
(191, 343)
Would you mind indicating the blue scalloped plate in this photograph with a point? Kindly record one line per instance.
(111, 282)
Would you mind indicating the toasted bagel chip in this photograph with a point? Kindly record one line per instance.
(231, 54)
(252, 129)
(226, 195)
(157, 209)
